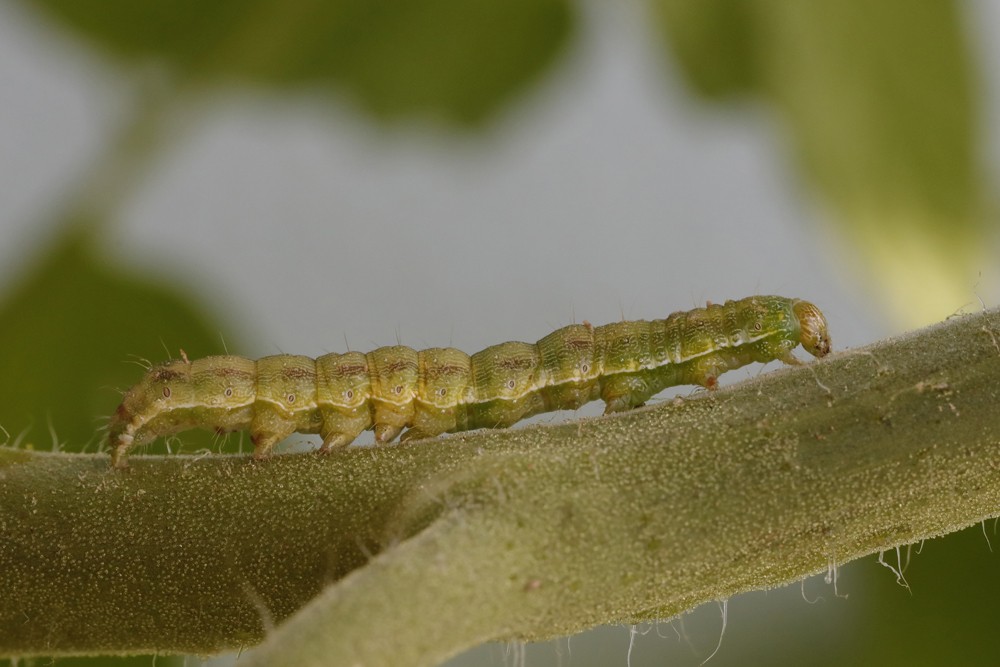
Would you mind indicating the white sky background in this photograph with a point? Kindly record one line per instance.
(604, 191)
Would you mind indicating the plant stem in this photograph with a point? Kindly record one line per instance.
(410, 554)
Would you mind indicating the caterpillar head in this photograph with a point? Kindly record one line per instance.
(814, 335)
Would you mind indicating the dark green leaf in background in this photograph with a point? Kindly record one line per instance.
(714, 43)
(103, 661)
(459, 61)
(949, 612)
(70, 327)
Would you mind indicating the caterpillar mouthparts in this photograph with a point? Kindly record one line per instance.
(444, 390)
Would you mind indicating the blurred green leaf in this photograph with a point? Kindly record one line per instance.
(714, 43)
(70, 328)
(457, 59)
(878, 98)
(950, 607)
(102, 661)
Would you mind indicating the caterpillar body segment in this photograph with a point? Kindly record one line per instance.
(444, 390)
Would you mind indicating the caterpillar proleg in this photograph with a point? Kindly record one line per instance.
(444, 390)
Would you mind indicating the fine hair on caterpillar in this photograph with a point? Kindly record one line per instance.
(444, 390)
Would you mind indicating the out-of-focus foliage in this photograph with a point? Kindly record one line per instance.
(878, 98)
(456, 60)
(103, 661)
(69, 330)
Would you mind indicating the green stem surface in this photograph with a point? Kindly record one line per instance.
(410, 554)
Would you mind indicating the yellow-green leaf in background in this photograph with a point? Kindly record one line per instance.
(879, 102)
(459, 60)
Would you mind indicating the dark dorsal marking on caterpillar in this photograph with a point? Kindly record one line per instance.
(444, 390)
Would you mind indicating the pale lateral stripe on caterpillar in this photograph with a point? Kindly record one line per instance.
(444, 390)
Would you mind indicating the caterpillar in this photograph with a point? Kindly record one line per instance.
(444, 390)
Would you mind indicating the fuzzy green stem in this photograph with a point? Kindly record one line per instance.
(410, 554)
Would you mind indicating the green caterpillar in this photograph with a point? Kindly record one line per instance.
(443, 390)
